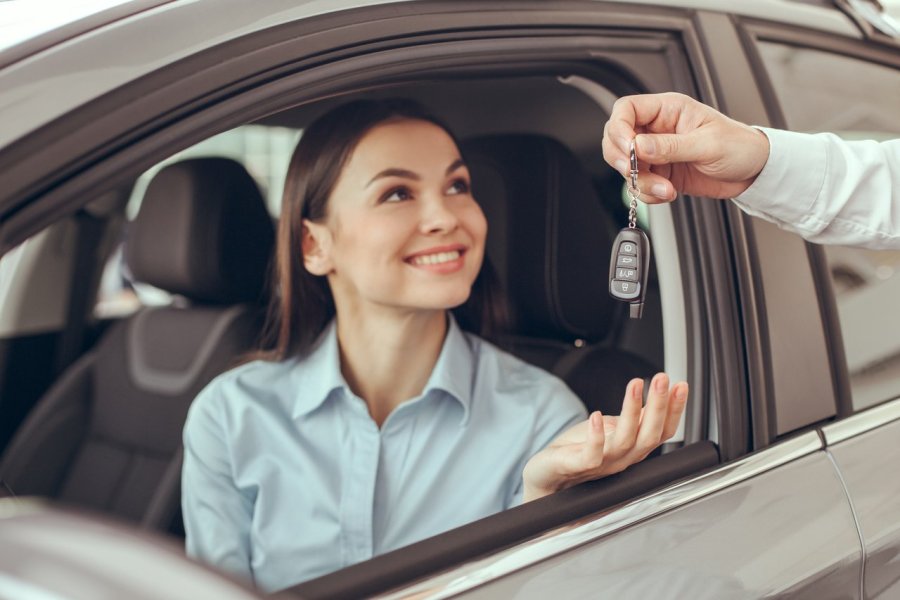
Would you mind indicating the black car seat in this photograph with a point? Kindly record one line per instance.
(549, 238)
(107, 434)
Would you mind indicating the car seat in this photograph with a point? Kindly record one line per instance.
(549, 238)
(107, 434)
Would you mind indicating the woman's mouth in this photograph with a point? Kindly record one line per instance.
(436, 259)
(443, 261)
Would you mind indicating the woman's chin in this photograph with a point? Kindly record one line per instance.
(442, 301)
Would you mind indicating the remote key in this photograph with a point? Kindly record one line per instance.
(628, 267)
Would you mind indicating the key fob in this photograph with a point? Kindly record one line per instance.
(628, 267)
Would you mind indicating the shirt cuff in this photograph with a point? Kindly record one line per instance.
(790, 182)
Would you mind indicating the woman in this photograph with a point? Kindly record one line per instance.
(377, 421)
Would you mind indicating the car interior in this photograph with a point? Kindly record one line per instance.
(99, 426)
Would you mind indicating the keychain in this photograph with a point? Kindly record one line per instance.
(630, 260)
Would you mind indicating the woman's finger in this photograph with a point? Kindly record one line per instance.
(677, 401)
(629, 419)
(654, 417)
(594, 446)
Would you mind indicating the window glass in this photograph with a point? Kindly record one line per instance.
(264, 151)
(855, 99)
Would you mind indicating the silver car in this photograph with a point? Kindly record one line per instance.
(129, 278)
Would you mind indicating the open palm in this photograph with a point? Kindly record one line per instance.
(602, 445)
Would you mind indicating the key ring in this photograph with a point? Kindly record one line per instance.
(634, 192)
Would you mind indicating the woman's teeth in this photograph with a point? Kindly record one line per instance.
(435, 259)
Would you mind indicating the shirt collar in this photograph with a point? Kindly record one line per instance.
(319, 373)
(453, 371)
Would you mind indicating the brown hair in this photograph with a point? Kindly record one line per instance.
(301, 303)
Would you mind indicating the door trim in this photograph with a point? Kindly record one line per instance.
(862, 422)
(480, 572)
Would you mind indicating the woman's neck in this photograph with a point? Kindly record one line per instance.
(387, 358)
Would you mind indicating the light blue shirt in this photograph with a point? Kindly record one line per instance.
(286, 476)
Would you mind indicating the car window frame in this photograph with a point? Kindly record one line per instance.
(97, 171)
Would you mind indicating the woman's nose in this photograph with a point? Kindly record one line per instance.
(438, 216)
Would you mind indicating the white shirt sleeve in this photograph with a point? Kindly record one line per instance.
(828, 190)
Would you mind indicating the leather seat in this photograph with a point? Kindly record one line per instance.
(550, 239)
(107, 435)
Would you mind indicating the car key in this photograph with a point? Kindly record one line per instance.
(630, 259)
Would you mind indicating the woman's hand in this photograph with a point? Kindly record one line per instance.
(601, 445)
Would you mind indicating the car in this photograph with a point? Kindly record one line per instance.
(142, 154)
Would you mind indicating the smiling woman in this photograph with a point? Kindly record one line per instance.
(380, 417)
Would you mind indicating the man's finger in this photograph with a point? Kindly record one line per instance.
(667, 148)
(614, 157)
(631, 113)
(655, 188)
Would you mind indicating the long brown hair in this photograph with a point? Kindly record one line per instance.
(301, 303)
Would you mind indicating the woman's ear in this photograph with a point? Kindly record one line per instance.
(316, 248)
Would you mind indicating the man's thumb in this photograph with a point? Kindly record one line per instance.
(664, 148)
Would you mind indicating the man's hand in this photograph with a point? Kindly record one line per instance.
(601, 446)
(689, 147)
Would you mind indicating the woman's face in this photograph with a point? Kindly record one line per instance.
(402, 228)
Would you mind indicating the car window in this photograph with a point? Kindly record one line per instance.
(546, 116)
(856, 99)
(588, 205)
(263, 150)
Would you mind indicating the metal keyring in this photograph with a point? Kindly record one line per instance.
(634, 192)
(634, 166)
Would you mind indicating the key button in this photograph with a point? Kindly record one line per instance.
(626, 261)
(629, 248)
(626, 288)
(627, 274)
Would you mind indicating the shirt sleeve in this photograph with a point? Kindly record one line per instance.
(217, 515)
(829, 190)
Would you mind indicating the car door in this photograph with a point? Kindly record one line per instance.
(775, 522)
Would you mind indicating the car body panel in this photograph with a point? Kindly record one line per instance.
(787, 532)
(55, 554)
(782, 514)
(868, 459)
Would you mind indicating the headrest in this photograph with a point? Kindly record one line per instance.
(548, 235)
(203, 232)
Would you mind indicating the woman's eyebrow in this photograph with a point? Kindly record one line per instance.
(407, 174)
(455, 165)
(395, 173)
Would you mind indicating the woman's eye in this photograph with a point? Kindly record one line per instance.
(397, 195)
(460, 186)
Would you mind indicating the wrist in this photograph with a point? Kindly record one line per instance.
(530, 493)
(758, 147)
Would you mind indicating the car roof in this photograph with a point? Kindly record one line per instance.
(33, 74)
